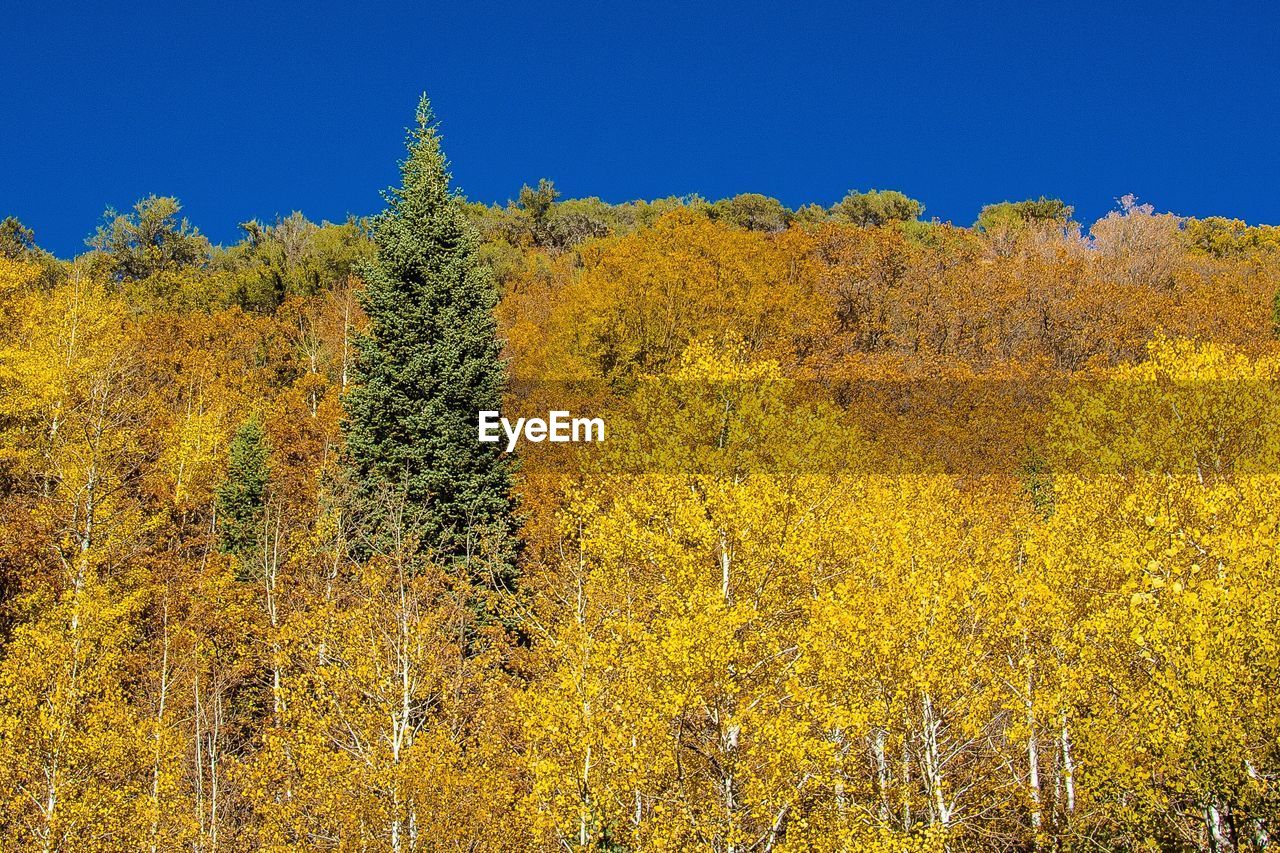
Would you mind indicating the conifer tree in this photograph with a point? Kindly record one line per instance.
(428, 363)
(242, 495)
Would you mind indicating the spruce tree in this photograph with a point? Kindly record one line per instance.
(428, 363)
(242, 495)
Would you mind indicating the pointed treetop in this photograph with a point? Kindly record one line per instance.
(426, 116)
(425, 171)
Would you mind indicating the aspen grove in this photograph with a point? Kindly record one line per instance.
(904, 536)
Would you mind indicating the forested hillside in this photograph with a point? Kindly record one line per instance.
(906, 535)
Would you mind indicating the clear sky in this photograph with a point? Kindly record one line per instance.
(246, 110)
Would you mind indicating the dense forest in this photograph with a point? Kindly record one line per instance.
(905, 536)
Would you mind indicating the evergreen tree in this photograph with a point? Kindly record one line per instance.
(429, 362)
(242, 495)
(17, 241)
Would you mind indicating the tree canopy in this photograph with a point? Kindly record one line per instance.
(905, 536)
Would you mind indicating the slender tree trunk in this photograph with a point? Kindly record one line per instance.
(906, 784)
(158, 739)
(934, 781)
(271, 569)
(1033, 756)
(730, 748)
(1219, 837)
(882, 773)
(1068, 766)
(197, 714)
(584, 812)
(215, 782)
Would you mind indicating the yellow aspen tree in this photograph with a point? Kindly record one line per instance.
(70, 724)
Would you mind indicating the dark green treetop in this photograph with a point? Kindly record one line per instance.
(242, 495)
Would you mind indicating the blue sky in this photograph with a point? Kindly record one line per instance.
(248, 110)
